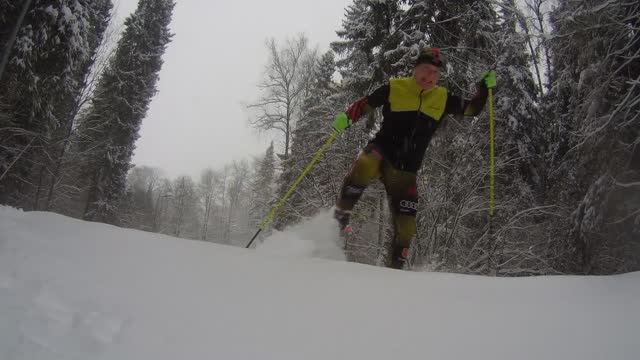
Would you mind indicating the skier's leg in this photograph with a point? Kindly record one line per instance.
(365, 168)
(401, 187)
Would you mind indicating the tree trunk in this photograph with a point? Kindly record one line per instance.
(91, 196)
(205, 220)
(36, 200)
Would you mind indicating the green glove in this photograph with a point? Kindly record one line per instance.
(341, 122)
(489, 79)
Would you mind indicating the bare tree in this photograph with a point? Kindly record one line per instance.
(533, 25)
(285, 80)
(209, 184)
(183, 201)
(164, 194)
(236, 186)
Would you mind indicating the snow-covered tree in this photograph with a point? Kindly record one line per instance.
(594, 155)
(184, 206)
(142, 187)
(262, 186)
(367, 37)
(209, 190)
(519, 144)
(122, 96)
(163, 195)
(41, 89)
(237, 215)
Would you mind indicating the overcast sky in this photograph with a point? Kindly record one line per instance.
(211, 68)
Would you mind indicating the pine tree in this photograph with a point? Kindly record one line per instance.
(60, 139)
(122, 96)
(367, 35)
(41, 87)
(518, 102)
(519, 145)
(262, 186)
(142, 185)
(594, 156)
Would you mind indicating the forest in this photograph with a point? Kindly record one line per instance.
(74, 93)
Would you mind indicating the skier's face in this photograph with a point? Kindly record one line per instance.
(427, 75)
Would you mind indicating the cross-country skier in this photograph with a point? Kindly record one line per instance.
(412, 110)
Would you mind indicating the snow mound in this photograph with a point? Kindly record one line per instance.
(314, 238)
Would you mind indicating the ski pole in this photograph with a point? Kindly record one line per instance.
(293, 186)
(492, 161)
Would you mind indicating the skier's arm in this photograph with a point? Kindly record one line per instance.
(363, 106)
(459, 106)
(366, 104)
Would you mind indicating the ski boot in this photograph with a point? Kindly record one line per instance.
(342, 217)
(399, 257)
(346, 231)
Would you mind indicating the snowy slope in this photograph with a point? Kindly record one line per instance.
(76, 290)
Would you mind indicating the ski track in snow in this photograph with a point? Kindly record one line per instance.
(41, 322)
(48, 327)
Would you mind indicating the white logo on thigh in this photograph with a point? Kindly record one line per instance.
(353, 190)
(409, 205)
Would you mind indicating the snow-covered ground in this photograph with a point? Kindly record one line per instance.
(76, 290)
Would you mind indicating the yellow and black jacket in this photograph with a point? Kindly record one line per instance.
(412, 115)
